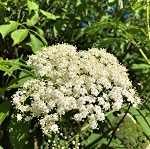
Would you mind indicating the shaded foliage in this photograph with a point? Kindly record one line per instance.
(122, 27)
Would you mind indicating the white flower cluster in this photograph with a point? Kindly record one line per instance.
(88, 82)
(130, 134)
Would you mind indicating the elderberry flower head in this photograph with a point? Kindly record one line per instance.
(89, 83)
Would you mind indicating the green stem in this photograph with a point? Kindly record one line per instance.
(78, 136)
(141, 51)
(16, 51)
(77, 140)
(85, 127)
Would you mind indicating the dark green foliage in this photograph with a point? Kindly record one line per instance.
(122, 27)
(18, 132)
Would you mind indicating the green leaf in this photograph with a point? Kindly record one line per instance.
(4, 4)
(16, 83)
(41, 35)
(80, 34)
(2, 90)
(43, 40)
(32, 5)
(36, 44)
(78, 2)
(55, 31)
(110, 41)
(12, 62)
(94, 139)
(1, 147)
(15, 1)
(12, 69)
(4, 110)
(57, 27)
(11, 82)
(33, 18)
(49, 15)
(24, 76)
(5, 29)
(92, 31)
(143, 119)
(6, 70)
(140, 66)
(19, 35)
(127, 35)
(18, 132)
(14, 86)
(40, 31)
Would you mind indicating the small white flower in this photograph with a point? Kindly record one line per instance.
(106, 106)
(54, 128)
(116, 106)
(19, 117)
(101, 100)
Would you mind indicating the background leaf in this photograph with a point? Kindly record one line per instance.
(110, 41)
(4, 110)
(18, 132)
(49, 15)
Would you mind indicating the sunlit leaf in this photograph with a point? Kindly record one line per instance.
(5, 29)
(78, 2)
(19, 35)
(143, 119)
(55, 31)
(36, 44)
(140, 66)
(33, 18)
(3, 68)
(15, 1)
(32, 5)
(13, 68)
(40, 31)
(43, 40)
(49, 15)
